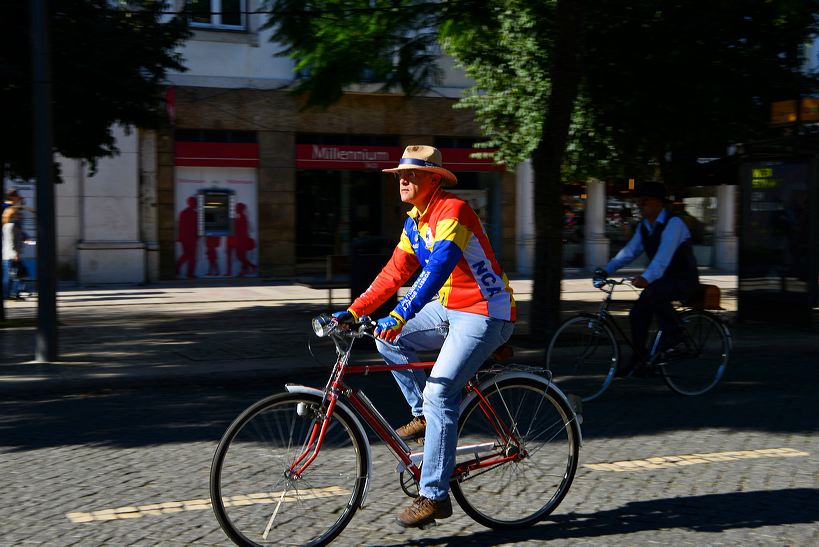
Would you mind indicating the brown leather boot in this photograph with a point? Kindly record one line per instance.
(413, 430)
(424, 511)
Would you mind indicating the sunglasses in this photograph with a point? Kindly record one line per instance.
(409, 174)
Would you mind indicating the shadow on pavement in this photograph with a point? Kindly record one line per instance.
(713, 513)
(193, 393)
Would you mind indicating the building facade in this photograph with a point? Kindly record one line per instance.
(245, 181)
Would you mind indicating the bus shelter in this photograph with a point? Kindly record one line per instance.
(779, 232)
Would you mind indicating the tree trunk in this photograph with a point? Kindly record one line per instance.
(546, 164)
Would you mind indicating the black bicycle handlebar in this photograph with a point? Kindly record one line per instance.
(602, 282)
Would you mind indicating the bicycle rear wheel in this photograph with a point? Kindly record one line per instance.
(254, 500)
(582, 356)
(524, 491)
(699, 367)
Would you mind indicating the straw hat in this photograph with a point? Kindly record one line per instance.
(425, 158)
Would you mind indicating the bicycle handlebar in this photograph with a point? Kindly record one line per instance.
(326, 325)
(600, 282)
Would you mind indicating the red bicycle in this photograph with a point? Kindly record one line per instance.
(293, 468)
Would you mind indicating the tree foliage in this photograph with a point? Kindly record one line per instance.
(601, 88)
(506, 49)
(108, 63)
(668, 82)
(337, 43)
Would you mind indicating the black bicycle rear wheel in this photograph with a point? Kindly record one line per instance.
(698, 366)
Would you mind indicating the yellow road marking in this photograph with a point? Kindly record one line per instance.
(656, 462)
(154, 509)
(665, 462)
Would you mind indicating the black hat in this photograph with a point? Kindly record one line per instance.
(650, 190)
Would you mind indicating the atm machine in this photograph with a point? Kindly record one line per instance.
(216, 211)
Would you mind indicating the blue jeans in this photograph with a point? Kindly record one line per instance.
(472, 338)
(10, 282)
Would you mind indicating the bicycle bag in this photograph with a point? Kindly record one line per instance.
(706, 297)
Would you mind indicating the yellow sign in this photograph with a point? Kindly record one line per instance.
(763, 178)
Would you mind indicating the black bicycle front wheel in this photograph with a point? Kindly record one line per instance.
(583, 356)
(523, 491)
(700, 365)
(254, 496)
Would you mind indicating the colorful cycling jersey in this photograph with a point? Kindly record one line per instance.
(458, 264)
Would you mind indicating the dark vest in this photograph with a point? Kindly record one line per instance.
(683, 264)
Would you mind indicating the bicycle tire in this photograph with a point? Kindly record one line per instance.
(582, 356)
(520, 493)
(253, 500)
(700, 367)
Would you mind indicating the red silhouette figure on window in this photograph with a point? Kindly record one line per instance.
(241, 242)
(211, 244)
(187, 235)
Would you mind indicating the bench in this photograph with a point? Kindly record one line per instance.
(337, 276)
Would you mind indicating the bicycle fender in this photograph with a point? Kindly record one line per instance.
(296, 388)
(522, 374)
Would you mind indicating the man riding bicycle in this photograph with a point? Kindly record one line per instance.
(670, 275)
(445, 237)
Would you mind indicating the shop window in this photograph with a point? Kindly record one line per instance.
(335, 208)
(217, 14)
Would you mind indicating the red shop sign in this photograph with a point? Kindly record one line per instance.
(320, 156)
(217, 154)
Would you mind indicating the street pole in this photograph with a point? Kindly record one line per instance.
(46, 342)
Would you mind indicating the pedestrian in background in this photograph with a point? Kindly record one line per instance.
(12, 252)
(11, 198)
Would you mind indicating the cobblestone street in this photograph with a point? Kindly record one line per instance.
(113, 446)
(754, 479)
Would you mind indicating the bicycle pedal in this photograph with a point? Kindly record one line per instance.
(431, 524)
(577, 405)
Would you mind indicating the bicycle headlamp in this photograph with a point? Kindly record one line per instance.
(322, 325)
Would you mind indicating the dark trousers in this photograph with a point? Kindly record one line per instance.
(656, 300)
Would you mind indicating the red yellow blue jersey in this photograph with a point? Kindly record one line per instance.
(448, 241)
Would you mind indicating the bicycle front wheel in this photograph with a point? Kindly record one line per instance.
(582, 357)
(523, 491)
(255, 499)
(699, 367)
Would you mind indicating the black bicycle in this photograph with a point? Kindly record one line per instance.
(584, 353)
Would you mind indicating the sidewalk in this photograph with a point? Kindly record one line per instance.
(250, 330)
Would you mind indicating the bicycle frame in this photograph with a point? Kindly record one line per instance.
(337, 392)
(604, 316)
